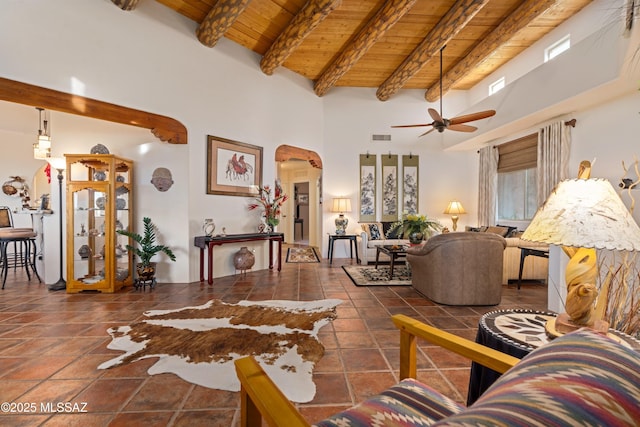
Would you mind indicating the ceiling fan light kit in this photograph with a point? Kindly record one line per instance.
(457, 123)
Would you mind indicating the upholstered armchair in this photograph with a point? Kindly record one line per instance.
(580, 378)
(459, 268)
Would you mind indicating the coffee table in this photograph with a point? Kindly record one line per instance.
(394, 252)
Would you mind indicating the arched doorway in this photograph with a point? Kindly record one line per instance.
(300, 173)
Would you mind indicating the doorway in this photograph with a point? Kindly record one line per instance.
(300, 174)
(301, 216)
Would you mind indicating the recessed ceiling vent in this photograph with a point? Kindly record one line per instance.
(377, 137)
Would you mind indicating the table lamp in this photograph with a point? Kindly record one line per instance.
(583, 215)
(341, 205)
(454, 209)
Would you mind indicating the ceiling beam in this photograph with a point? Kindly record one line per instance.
(162, 127)
(219, 19)
(125, 4)
(519, 19)
(384, 19)
(451, 24)
(308, 18)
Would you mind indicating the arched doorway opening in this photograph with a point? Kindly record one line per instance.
(300, 173)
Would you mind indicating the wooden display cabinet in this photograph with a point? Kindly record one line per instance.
(99, 202)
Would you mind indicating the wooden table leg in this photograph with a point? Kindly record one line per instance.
(210, 259)
(201, 264)
(280, 255)
(270, 254)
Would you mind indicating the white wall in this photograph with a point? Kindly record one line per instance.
(150, 59)
(353, 115)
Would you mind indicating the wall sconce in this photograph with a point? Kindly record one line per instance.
(341, 205)
(454, 209)
(42, 147)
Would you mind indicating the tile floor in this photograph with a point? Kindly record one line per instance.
(52, 342)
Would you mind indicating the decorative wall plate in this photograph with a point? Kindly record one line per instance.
(99, 149)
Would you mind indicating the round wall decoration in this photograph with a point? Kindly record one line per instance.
(99, 149)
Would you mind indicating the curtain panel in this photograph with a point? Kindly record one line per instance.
(554, 143)
(488, 186)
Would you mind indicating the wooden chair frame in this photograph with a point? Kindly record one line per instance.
(261, 398)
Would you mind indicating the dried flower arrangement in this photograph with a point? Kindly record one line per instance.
(619, 281)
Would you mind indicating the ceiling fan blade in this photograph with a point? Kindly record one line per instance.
(411, 126)
(462, 128)
(429, 131)
(435, 115)
(471, 117)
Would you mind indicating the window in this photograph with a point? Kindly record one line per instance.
(517, 195)
(517, 179)
(496, 86)
(557, 48)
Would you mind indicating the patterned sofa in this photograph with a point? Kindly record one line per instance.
(374, 234)
(582, 378)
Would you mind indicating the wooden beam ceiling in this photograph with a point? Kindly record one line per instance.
(383, 44)
(520, 18)
(451, 24)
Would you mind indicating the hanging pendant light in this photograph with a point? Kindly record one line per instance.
(42, 148)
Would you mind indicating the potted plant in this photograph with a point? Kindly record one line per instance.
(147, 249)
(414, 227)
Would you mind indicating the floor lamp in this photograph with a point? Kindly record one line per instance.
(59, 164)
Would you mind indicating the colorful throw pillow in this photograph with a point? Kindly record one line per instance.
(373, 230)
(408, 403)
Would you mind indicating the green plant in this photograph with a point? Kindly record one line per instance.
(412, 223)
(147, 244)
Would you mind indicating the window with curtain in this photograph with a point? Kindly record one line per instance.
(517, 191)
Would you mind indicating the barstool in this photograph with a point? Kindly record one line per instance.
(22, 237)
(27, 258)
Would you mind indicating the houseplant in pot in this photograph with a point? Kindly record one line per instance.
(146, 249)
(414, 227)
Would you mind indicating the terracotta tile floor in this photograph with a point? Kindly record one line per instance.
(52, 342)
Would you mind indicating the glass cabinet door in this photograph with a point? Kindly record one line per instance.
(99, 190)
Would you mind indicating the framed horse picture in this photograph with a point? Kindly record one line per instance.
(233, 168)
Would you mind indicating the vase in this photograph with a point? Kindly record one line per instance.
(208, 226)
(244, 259)
(416, 237)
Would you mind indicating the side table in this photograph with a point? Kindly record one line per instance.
(353, 242)
(516, 332)
(525, 252)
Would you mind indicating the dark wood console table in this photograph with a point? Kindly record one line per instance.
(208, 242)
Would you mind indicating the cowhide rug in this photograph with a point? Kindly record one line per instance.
(200, 343)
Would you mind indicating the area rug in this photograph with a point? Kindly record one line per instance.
(200, 343)
(301, 255)
(362, 275)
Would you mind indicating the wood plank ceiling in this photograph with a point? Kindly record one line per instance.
(388, 45)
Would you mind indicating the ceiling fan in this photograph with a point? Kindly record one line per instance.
(456, 123)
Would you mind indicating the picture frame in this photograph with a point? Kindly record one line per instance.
(303, 199)
(233, 168)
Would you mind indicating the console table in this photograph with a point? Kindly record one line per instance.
(208, 242)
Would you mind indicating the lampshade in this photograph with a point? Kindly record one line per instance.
(585, 213)
(455, 208)
(341, 204)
